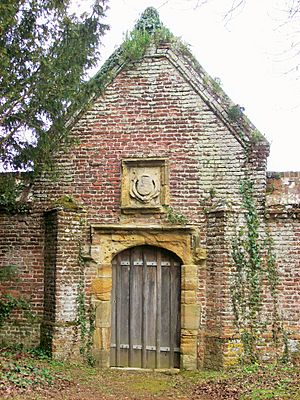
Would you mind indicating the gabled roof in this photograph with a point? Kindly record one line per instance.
(150, 38)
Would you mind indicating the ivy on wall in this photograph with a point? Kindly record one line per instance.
(254, 263)
(9, 303)
(85, 318)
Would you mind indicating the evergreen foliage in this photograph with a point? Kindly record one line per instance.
(45, 52)
(149, 21)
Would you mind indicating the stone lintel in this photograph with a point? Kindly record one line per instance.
(132, 227)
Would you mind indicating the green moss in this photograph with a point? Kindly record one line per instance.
(216, 84)
(150, 386)
(68, 203)
(8, 272)
(173, 217)
(135, 45)
(256, 136)
(235, 113)
(270, 188)
(274, 175)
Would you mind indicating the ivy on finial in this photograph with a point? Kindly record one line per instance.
(149, 21)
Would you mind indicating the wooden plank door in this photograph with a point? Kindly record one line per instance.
(145, 309)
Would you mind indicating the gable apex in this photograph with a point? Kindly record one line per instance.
(149, 21)
(150, 38)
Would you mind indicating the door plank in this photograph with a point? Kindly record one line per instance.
(144, 313)
(151, 285)
(171, 275)
(118, 310)
(158, 308)
(125, 305)
(145, 308)
(137, 306)
(113, 360)
(131, 307)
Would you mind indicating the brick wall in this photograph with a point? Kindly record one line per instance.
(21, 245)
(283, 188)
(283, 221)
(153, 109)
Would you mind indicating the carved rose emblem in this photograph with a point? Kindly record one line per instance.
(144, 188)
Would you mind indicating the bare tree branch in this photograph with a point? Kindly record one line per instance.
(236, 4)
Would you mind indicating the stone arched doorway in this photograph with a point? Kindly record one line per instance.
(145, 318)
(110, 240)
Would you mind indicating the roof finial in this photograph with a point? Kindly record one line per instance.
(149, 21)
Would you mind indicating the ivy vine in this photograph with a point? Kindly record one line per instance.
(85, 319)
(174, 217)
(254, 262)
(279, 334)
(9, 303)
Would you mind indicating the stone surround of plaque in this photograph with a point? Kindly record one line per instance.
(145, 185)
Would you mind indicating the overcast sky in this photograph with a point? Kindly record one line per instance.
(247, 53)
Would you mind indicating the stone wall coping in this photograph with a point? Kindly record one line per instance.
(290, 211)
(281, 174)
(225, 210)
(195, 78)
(59, 208)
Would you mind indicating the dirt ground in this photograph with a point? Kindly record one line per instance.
(26, 377)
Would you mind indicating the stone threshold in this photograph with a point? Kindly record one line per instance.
(167, 371)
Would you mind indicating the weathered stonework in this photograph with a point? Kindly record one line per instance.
(144, 186)
(158, 136)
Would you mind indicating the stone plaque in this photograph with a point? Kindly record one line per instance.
(144, 185)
